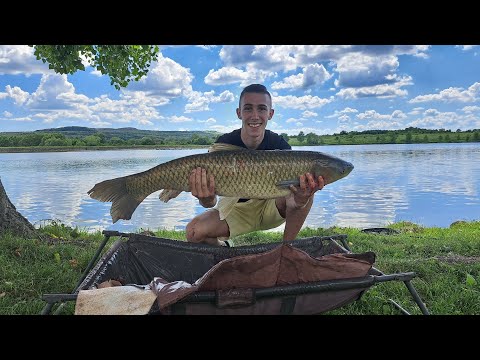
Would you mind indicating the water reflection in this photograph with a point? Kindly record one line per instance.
(430, 184)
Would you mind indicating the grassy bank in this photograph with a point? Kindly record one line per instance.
(446, 261)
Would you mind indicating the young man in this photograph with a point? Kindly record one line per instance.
(255, 109)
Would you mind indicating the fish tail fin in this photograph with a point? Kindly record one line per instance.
(115, 190)
(168, 194)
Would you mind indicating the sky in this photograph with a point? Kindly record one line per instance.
(322, 89)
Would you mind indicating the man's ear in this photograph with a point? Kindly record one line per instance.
(238, 113)
(272, 111)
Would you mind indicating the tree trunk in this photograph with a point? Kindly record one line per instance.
(11, 220)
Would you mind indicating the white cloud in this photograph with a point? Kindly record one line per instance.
(180, 119)
(19, 60)
(301, 102)
(470, 109)
(18, 95)
(166, 78)
(52, 93)
(308, 113)
(380, 91)
(466, 47)
(451, 94)
(312, 75)
(198, 101)
(225, 75)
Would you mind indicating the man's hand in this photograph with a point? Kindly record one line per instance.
(308, 187)
(204, 191)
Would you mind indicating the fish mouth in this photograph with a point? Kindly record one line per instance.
(347, 168)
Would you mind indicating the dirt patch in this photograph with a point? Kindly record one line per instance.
(459, 259)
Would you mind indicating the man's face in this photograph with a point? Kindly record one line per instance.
(255, 111)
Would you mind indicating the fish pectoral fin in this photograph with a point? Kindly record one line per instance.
(225, 205)
(286, 183)
(168, 194)
(224, 147)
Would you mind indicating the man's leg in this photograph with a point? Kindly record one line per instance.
(207, 228)
(294, 218)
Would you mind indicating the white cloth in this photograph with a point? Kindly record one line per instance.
(116, 300)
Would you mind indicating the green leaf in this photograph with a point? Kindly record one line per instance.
(122, 63)
(57, 257)
(471, 280)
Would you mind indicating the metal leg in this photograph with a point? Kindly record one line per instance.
(405, 312)
(46, 310)
(417, 299)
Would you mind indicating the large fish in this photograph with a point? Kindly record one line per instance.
(238, 172)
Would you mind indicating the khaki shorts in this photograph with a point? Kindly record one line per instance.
(253, 215)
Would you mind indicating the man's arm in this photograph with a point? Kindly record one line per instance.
(299, 203)
(204, 191)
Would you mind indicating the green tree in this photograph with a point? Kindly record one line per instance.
(312, 138)
(122, 63)
(30, 140)
(92, 140)
(285, 136)
(147, 140)
(101, 136)
(408, 138)
(116, 141)
(393, 138)
(301, 137)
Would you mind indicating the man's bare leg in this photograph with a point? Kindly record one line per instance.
(294, 218)
(207, 228)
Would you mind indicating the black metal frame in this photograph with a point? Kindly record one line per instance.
(375, 276)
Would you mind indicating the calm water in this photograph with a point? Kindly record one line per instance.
(429, 184)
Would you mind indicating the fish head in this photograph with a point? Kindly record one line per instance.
(331, 168)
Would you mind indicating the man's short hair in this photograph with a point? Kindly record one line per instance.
(254, 88)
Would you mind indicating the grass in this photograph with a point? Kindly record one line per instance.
(446, 261)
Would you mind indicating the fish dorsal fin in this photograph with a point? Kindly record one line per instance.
(224, 147)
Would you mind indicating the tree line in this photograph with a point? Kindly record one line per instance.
(53, 139)
(98, 139)
(409, 135)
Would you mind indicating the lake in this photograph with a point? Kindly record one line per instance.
(428, 184)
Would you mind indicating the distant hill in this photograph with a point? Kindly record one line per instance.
(125, 133)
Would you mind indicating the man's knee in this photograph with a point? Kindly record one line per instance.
(206, 226)
(193, 235)
(199, 229)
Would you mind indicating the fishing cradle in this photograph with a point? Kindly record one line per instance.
(138, 259)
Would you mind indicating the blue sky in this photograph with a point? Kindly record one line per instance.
(320, 89)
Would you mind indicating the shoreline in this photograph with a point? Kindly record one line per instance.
(38, 149)
(97, 148)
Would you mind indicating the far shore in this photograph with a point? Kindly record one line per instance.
(35, 149)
